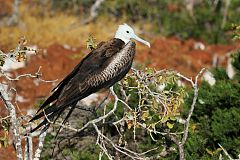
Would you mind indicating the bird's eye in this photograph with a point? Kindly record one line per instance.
(127, 31)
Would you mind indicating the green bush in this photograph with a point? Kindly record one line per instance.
(216, 117)
(225, 129)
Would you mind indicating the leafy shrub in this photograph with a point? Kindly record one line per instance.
(216, 117)
(225, 129)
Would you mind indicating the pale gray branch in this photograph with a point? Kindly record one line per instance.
(40, 146)
(28, 153)
(94, 11)
(195, 87)
(14, 19)
(37, 75)
(13, 118)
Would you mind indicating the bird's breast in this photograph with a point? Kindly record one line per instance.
(119, 63)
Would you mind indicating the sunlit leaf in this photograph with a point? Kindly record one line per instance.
(209, 152)
(165, 118)
(170, 125)
(5, 125)
(150, 71)
(91, 42)
(173, 118)
(21, 56)
(194, 127)
(144, 125)
(129, 124)
(201, 101)
(3, 141)
(145, 115)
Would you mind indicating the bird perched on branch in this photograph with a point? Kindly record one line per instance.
(105, 65)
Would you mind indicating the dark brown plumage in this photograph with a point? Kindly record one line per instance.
(101, 68)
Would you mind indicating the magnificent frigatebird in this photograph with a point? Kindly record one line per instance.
(101, 68)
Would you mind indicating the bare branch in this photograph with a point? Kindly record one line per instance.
(226, 8)
(94, 11)
(227, 154)
(14, 19)
(28, 148)
(40, 146)
(13, 117)
(195, 87)
(16, 123)
(37, 75)
(175, 139)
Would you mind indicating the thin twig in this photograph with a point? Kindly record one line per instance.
(195, 87)
(36, 75)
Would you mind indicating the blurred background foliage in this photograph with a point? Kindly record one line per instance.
(205, 20)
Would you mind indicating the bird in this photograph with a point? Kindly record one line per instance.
(105, 65)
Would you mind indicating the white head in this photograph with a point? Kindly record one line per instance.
(125, 33)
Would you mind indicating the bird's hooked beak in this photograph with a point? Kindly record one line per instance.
(141, 40)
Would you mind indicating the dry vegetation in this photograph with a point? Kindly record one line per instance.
(59, 28)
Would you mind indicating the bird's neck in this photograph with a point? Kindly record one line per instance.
(121, 37)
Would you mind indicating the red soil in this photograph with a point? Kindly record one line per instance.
(181, 56)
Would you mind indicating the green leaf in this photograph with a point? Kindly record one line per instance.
(170, 125)
(165, 119)
(150, 71)
(201, 101)
(173, 118)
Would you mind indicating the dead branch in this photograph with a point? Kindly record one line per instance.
(225, 12)
(28, 148)
(176, 140)
(13, 118)
(37, 76)
(227, 154)
(195, 87)
(40, 146)
(11, 108)
(93, 11)
(190, 8)
(14, 19)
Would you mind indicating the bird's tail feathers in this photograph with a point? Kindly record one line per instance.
(65, 120)
(53, 112)
(49, 115)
